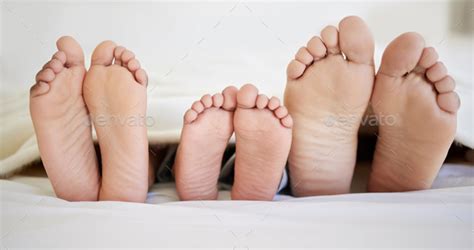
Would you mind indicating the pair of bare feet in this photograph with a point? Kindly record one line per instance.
(331, 82)
(331, 79)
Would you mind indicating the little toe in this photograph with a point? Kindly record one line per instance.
(247, 96)
(330, 35)
(206, 100)
(45, 75)
(217, 100)
(118, 55)
(230, 98)
(39, 88)
(190, 116)
(141, 77)
(428, 58)
(436, 72)
(445, 85)
(449, 102)
(198, 107)
(304, 56)
(72, 50)
(316, 48)
(274, 103)
(262, 101)
(287, 121)
(397, 64)
(281, 112)
(295, 69)
(355, 40)
(103, 54)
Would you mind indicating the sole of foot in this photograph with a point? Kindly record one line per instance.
(329, 87)
(208, 126)
(415, 103)
(263, 139)
(62, 124)
(115, 94)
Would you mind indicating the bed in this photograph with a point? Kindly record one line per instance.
(194, 48)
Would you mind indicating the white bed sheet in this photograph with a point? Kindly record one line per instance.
(439, 218)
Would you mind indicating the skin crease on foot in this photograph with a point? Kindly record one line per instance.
(263, 139)
(329, 87)
(62, 124)
(414, 88)
(208, 126)
(115, 94)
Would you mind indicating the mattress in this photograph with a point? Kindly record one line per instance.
(438, 218)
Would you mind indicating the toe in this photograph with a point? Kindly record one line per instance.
(445, 85)
(316, 48)
(72, 50)
(355, 40)
(281, 112)
(230, 98)
(118, 55)
(141, 77)
(198, 107)
(217, 100)
(54, 65)
(247, 96)
(39, 88)
(287, 121)
(206, 100)
(437, 72)
(127, 55)
(449, 102)
(428, 58)
(262, 101)
(402, 55)
(133, 65)
(295, 69)
(330, 35)
(45, 75)
(61, 56)
(190, 116)
(303, 56)
(274, 103)
(103, 54)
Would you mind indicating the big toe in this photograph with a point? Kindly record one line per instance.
(72, 49)
(103, 54)
(247, 96)
(402, 55)
(356, 41)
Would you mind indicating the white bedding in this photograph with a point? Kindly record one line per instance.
(438, 218)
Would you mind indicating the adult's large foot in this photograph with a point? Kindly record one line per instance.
(416, 108)
(62, 124)
(329, 87)
(115, 94)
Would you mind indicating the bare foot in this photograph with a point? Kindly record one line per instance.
(263, 139)
(62, 124)
(208, 126)
(327, 94)
(115, 95)
(415, 89)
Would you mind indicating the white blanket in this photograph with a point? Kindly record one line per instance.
(438, 218)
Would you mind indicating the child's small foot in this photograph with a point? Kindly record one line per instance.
(206, 132)
(263, 139)
(62, 124)
(416, 108)
(115, 95)
(328, 90)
